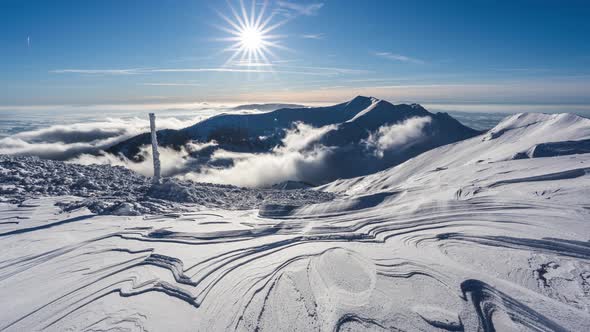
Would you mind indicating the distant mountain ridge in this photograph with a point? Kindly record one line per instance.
(266, 107)
(244, 129)
(353, 124)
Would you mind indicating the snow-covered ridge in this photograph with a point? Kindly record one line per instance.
(513, 138)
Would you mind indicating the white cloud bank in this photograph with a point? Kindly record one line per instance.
(63, 142)
(397, 136)
(299, 158)
(173, 162)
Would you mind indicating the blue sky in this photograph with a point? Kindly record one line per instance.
(147, 51)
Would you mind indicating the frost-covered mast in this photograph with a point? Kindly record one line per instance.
(155, 153)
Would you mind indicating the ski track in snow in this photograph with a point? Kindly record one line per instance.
(461, 238)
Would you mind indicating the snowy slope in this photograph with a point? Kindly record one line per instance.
(511, 139)
(470, 236)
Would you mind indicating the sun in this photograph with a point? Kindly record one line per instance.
(250, 30)
(251, 39)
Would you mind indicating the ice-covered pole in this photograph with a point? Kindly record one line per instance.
(155, 153)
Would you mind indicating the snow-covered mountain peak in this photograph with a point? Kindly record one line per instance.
(545, 127)
(362, 99)
(523, 119)
(374, 104)
(359, 103)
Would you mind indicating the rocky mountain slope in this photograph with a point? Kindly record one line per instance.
(117, 190)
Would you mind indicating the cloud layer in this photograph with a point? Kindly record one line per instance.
(300, 158)
(397, 136)
(300, 155)
(61, 142)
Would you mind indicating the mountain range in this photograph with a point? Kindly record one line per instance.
(363, 135)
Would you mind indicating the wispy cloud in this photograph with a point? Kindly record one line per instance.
(129, 71)
(509, 91)
(250, 64)
(290, 8)
(332, 87)
(239, 68)
(313, 36)
(361, 80)
(524, 70)
(333, 70)
(172, 84)
(136, 71)
(398, 57)
(209, 70)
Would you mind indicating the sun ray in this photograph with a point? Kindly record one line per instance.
(274, 26)
(253, 14)
(236, 27)
(266, 21)
(261, 13)
(230, 31)
(250, 39)
(240, 22)
(245, 16)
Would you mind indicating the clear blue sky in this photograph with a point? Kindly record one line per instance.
(146, 51)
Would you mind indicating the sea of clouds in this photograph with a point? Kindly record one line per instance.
(300, 157)
(64, 142)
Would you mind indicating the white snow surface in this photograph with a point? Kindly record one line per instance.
(470, 236)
